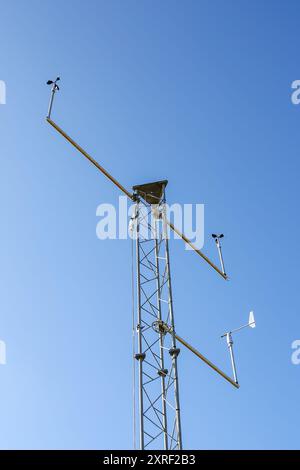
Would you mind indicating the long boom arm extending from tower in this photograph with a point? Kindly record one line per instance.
(91, 159)
(162, 327)
(199, 252)
(121, 187)
(207, 361)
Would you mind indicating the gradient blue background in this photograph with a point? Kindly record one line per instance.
(197, 92)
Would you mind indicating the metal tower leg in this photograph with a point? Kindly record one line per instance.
(159, 410)
(140, 356)
(174, 351)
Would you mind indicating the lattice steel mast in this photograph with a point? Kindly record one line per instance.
(159, 408)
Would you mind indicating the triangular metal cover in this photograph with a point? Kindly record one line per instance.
(151, 192)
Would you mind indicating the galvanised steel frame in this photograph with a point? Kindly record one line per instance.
(157, 353)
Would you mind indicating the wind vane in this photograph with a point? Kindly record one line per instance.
(251, 323)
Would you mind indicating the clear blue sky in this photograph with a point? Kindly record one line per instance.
(197, 92)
